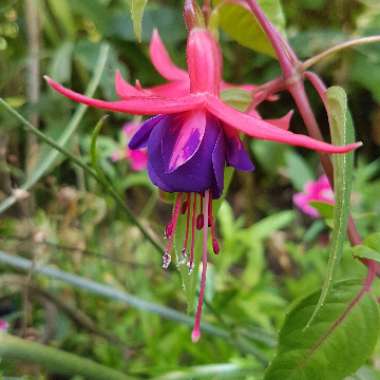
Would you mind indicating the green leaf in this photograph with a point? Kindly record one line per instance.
(373, 241)
(240, 24)
(63, 13)
(342, 133)
(370, 249)
(237, 98)
(326, 210)
(339, 341)
(365, 252)
(137, 12)
(298, 170)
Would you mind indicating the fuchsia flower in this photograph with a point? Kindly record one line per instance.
(138, 158)
(4, 325)
(192, 137)
(314, 191)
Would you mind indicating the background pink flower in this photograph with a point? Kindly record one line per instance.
(314, 191)
(4, 325)
(138, 159)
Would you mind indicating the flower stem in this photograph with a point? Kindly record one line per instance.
(291, 69)
(284, 52)
(336, 49)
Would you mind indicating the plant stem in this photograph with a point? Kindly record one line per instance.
(293, 76)
(284, 52)
(33, 76)
(108, 186)
(54, 360)
(335, 49)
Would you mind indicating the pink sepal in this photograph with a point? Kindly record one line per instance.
(162, 61)
(124, 89)
(203, 62)
(148, 105)
(282, 122)
(261, 129)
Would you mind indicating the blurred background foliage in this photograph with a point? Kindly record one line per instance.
(271, 253)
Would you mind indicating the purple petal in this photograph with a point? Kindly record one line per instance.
(237, 156)
(182, 139)
(219, 163)
(140, 138)
(154, 156)
(196, 175)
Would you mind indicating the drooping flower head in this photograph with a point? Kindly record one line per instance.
(314, 191)
(192, 137)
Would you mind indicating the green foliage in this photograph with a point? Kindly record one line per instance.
(342, 133)
(337, 342)
(106, 298)
(370, 249)
(137, 12)
(237, 21)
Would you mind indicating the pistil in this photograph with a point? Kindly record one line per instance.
(196, 334)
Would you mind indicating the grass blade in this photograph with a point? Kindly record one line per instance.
(51, 157)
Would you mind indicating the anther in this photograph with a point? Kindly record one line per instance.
(166, 260)
(169, 230)
(215, 246)
(200, 221)
(185, 206)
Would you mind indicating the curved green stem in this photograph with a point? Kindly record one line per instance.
(54, 360)
(336, 49)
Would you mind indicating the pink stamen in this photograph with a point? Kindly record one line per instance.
(200, 217)
(169, 230)
(215, 243)
(166, 258)
(186, 204)
(196, 334)
(184, 249)
(193, 225)
(200, 221)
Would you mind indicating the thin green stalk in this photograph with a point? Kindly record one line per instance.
(109, 292)
(107, 185)
(236, 339)
(54, 360)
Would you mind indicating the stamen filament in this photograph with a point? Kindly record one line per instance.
(215, 243)
(200, 217)
(188, 211)
(166, 258)
(193, 225)
(196, 334)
